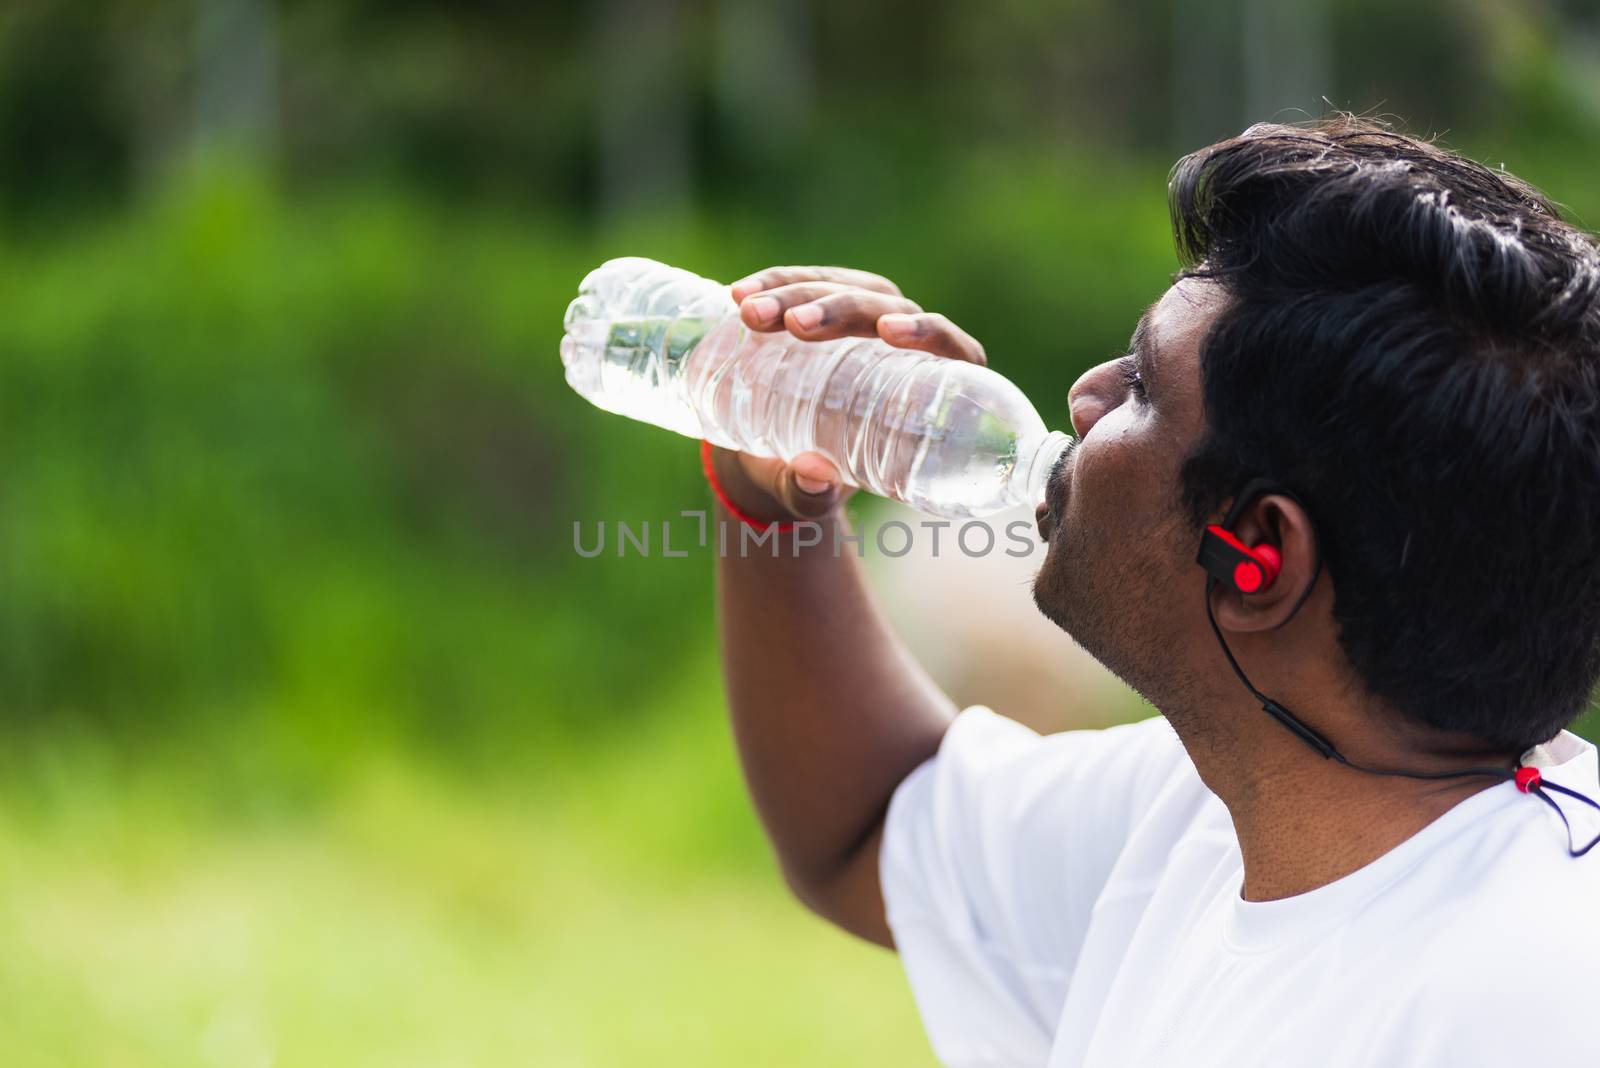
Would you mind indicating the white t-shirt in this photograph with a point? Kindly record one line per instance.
(1073, 901)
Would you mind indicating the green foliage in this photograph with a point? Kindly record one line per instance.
(313, 466)
(321, 740)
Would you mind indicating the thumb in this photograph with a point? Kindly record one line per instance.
(813, 473)
(810, 486)
(807, 487)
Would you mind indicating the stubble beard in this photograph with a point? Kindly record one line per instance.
(1116, 605)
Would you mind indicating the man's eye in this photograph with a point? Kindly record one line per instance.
(1131, 379)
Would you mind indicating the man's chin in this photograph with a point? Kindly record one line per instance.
(1073, 606)
(1065, 594)
(1050, 596)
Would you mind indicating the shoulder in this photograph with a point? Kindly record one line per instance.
(1035, 811)
(1539, 911)
(1031, 810)
(1507, 959)
(1524, 927)
(1522, 981)
(1011, 774)
(994, 853)
(980, 740)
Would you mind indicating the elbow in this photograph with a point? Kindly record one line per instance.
(847, 894)
(806, 885)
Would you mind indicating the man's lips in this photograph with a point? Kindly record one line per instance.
(1046, 518)
(1041, 516)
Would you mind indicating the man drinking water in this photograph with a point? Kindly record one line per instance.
(1369, 407)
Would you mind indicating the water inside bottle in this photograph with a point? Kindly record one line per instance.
(635, 367)
(659, 345)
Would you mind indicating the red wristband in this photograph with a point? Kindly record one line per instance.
(733, 509)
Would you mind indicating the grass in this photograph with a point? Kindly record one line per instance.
(629, 914)
(615, 906)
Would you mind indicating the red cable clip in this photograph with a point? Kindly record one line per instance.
(733, 509)
(1528, 779)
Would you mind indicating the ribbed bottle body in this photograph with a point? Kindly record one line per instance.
(663, 346)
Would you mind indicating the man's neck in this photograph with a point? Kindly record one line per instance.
(1304, 821)
(1296, 836)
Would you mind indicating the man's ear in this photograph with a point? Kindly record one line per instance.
(1276, 520)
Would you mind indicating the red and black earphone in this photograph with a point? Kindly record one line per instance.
(1246, 569)
(1250, 569)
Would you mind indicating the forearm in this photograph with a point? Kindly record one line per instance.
(830, 713)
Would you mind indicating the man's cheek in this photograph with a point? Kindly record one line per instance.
(1093, 490)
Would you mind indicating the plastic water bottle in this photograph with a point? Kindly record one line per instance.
(667, 347)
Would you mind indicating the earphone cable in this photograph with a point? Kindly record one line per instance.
(1535, 784)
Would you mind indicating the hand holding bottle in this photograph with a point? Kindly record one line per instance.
(821, 304)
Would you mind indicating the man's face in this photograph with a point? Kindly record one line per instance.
(1119, 575)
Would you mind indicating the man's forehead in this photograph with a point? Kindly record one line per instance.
(1174, 325)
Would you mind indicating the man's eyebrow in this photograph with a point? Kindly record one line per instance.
(1139, 344)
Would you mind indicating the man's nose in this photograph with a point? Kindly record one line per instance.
(1092, 396)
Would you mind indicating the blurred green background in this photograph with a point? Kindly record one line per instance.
(319, 743)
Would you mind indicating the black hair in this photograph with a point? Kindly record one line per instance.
(1412, 345)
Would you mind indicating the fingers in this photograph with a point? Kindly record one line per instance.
(819, 311)
(932, 332)
(770, 490)
(773, 277)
